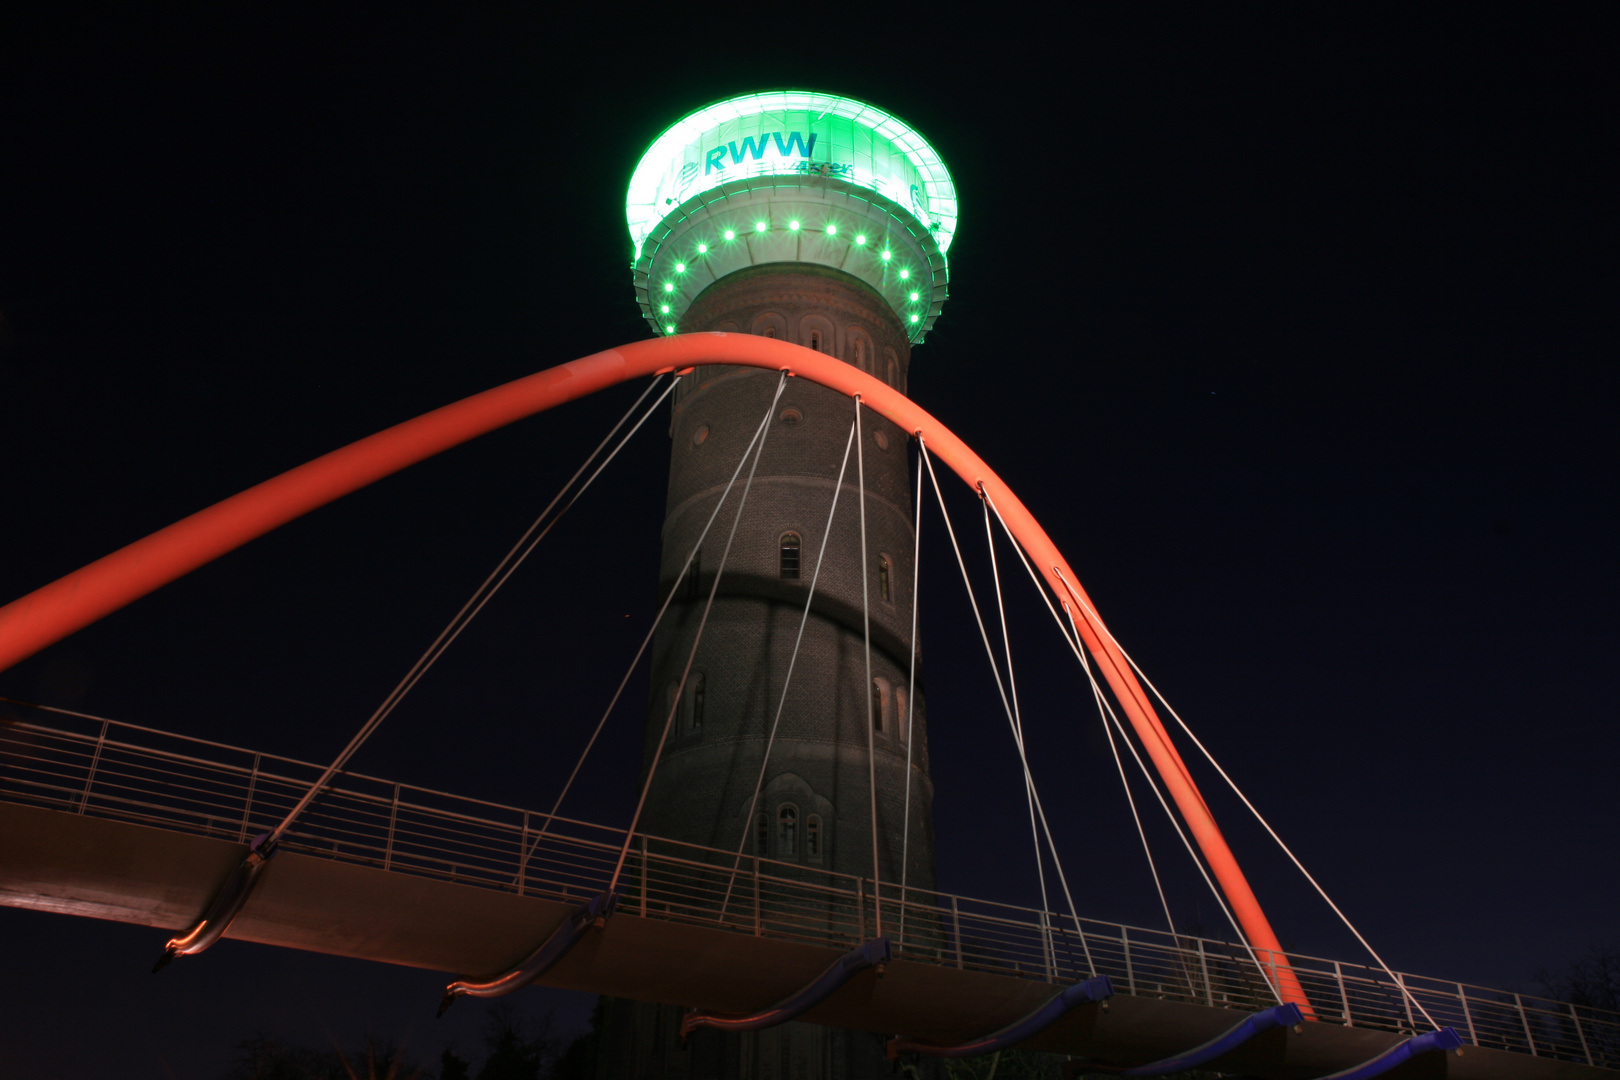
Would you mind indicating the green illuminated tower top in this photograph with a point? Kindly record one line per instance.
(789, 176)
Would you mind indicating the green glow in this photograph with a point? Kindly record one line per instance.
(669, 286)
(794, 225)
(905, 275)
(887, 255)
(914, 296)
(671, 329)
(665, 308)
(680, 268)
(915, 317)
(861, 240)
(759, 226)
(731, 234)
(832, 230)
(866, 147)
(703, 249)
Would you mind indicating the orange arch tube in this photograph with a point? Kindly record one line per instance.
(73, 602)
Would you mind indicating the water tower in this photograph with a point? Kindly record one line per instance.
(825, 221)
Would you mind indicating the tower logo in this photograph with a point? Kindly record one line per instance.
(755, 148)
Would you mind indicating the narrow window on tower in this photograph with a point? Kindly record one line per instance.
(892, 372)
(860, 353)
(815, 340)
(789, 565)
(884, 589)
(902, 719)
(812, 838)
(877, 704)
(769, 331)
(787, 832)
(697, 703)
(694, 590)
(762, 835)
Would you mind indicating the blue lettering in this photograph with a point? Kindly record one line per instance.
(712, 160)
(795, 138)
(749, 147)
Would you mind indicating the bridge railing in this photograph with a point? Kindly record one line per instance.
(103, 768)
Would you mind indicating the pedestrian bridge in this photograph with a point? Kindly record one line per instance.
(114, 821)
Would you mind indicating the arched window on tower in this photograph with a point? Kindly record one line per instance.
(769, 331)
(885, 590)
(902, 718)
(788, 564)
(877, 704)
(860, 352)
(812, 838)
(787, 832)
(892, 373)
(815, 340)
(697, 702)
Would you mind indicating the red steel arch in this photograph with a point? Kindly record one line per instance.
(70, 603)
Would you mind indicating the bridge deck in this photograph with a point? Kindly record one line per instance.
(133, 856)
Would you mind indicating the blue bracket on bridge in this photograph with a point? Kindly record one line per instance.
(1446, 1039)
(874, 953)
(553, 949)
(225, 905)
(1233, 1037)
(1059, 1006)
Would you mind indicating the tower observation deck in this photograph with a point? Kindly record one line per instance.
(824, 221)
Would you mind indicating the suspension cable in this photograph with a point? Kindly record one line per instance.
(1012, 686)
(1124, 780)
(911, 698)
(1202, 871)
(1091, 617)
(781, 702)
(481, 596)
(866, 633)
(1018, 741)
(697, 638)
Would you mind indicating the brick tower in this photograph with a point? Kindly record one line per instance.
(822, 221)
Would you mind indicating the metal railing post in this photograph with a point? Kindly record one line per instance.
(1406, 1000)
(1468, 1016)
(1130, 971)
(247, 804)
(1051, 954)
(1524, 1018)
(645, 870)
(1344, 993)
(393, 819)
(95, 760)
(956, 929)
(523, 853)
(860, 905)
(1585, 1049)
(1203, 966)
(759, 914)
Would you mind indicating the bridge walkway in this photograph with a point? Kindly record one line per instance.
(116, 821)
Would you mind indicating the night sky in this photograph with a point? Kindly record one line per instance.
(1300, 339)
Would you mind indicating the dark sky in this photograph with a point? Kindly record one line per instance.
(1299, 338)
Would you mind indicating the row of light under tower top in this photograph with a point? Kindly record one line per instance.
(917, 301)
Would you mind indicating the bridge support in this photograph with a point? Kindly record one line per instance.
(1224, 1043)
(224, 907)
(553, 949)
(1064, 1002)
(874, 953)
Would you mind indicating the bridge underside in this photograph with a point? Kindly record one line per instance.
(51, 860)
